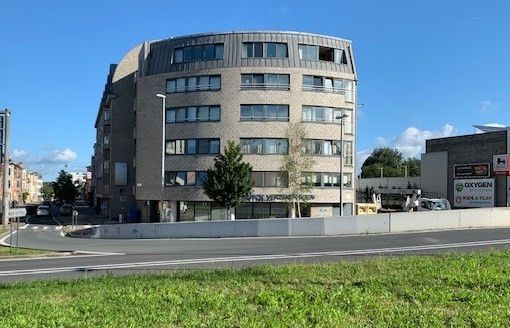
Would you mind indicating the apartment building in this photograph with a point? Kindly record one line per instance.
(241, 86)
(25, 187)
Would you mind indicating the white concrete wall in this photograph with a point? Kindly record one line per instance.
(347, 225)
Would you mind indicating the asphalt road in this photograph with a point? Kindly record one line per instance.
(100, 256)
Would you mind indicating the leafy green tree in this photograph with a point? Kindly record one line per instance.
(24, 196)
(413, 167)
(391, 161)
(47, 191)
(230, 181)
(64, 187)
(296, 163)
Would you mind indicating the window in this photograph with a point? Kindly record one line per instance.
(179, 178)
(193, 114)
(264, 49)
(194, 83)
(326, 115)
(311, 52)
(265, 112)
(264, 146)
(347, 177)
(198, 53)
(348, 157)
(324, 84)
(322, 147)
(308, 52)
(201, 178)
(328, 179)
(121, 173)
(192, 146)
(265, 81)
(106, 116)
(348, 121)
(258, 178)
(270, 179)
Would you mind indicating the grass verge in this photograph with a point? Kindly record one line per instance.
(425, 291)
(6, 252)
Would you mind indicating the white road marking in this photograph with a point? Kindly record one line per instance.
(87, 226)
(58, 228)
(80, 255)
(24, 227)
(250, 258)
(35, 228)
(45, 228)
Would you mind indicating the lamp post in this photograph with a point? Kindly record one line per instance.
(163, 137)
(341, 118)
(6, 190)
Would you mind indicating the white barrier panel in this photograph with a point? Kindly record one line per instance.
(307, 227)
(364, 224)
(429, 220)
(348, 225)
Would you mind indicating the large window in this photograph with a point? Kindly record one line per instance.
(312, 52)
(270, 179)
(264, 49)
(322, 147)
(262, 210)
(264, 112)
(327, 179)
(328, 115)
(193, 146)
(193, 114)
(193, 83)
(198, 53)
(264, 146)
(265, 81)
(121, 173)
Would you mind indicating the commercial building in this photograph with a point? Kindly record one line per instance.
(241, 86)
(470, 170)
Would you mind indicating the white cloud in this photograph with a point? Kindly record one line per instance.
(58, 156)
(411, 142)
(18, 154)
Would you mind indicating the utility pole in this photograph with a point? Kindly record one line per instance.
(5, 117)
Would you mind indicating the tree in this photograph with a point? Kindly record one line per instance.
(47, 191)
(296, 163)
(391, 161)
(230, 181)
(24, 196)
(64, 188)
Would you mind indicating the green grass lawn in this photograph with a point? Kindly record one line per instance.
(19, 252)
(429, 291)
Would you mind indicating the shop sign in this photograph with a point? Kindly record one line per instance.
(276, 197)
(500, 164)
(474, 192)
(480, 170)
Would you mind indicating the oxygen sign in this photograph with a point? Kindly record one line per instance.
(473, 193)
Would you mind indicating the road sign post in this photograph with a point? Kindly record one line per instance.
(5, 117)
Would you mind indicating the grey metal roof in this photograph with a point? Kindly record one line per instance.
(254, 31)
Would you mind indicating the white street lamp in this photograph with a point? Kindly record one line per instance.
(341, 118)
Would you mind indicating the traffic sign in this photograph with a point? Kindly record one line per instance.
(17, 212)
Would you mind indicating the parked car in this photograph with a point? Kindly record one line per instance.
(66, 210)
(43, 210)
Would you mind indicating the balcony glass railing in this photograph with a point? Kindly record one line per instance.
(274, 86)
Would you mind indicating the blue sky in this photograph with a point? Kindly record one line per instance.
(426, 68)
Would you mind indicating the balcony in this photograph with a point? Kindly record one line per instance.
(265, 86)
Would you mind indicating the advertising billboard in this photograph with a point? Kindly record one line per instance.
(479, 170)
(473, 193)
